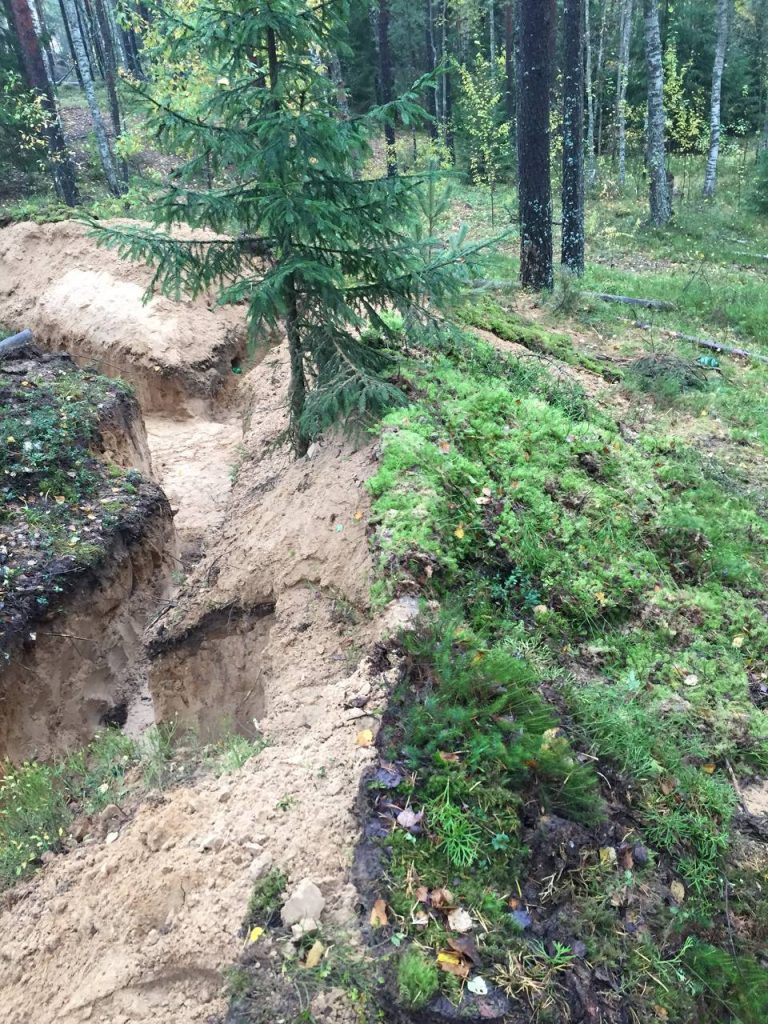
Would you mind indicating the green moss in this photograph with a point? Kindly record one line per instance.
(417, 979)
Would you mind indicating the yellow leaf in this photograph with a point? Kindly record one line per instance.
(59, 499)
(358, 515)
(600, 597)
(364, 738)
(255, 934)
(315, 955)
(737, 641)
(446, 957)
(678, 891)
(10, 440)
(709, 768)
(459, 531)
(379, 914)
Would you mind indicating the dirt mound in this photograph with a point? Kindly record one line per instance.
(76, 296)
(141, 928)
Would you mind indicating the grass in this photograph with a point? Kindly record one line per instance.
(619, 584)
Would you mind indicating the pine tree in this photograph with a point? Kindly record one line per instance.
(572, 253)
(304, 238)
(534, 72)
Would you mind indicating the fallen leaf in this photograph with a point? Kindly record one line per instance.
(444, 447)
(678, 891)
(607, 856)
(478, 986)
(408, 818)
(255, 934)
(420, 918)
(710, 769)
(459, 920)
(448, 758)
(315, 955)
(691, 680)
(442, 899)
(379, 914)
(364, 738)
(667, 785)
(459, 531)
(465, 945)
(422, 894)
(358, 515)
(452, 963)
(737, 641)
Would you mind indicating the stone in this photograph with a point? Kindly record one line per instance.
(305, 901)
(211, 842)
(259, 866)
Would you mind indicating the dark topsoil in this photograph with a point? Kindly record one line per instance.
(62, 507)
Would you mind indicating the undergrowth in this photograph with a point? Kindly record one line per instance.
(619, 583)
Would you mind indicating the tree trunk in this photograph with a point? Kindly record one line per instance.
(509, 63)
(625, 38)
(534, 69)
(430, 50)
(607, 5)
(337, 77)
(492, 34)
(70, 44)
(660, 206)
(710, 178)
(116, 186)
(110, 64)
(62, 168)
(572, 251)
(590, 90)
(387, 84)
(298, 390)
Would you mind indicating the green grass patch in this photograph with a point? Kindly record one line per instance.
(626, 579)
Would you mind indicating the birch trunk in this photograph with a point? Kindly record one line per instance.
(534, 70)
(591, 161)
(710, 178)
(572, 252)
(116, 186)
(625, 38)
(660, 206)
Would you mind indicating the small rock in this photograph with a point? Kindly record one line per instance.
(306, 900)
(111, 837)
(303, 927)
(224, 795)
(259, 866)
(640, 855)
(211, 842)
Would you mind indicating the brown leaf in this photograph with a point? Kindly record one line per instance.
(315, 955)
(667, 785)
(408, 818)
(452, 963)
(379, 914)
(465, 945)
(448, 758)
(442, 899)
(422, 894)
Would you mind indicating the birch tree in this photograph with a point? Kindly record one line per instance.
(710, 178)
(534, 69)
(660, 204)
(572, 252)
(622, 69)
(590, 91)
(108, 164)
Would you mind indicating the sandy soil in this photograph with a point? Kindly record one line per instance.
(139, 920)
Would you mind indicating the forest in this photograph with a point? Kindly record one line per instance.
(485, 284)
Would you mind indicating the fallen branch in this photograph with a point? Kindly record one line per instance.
(628, 300)
(715, 346)
(15, 341)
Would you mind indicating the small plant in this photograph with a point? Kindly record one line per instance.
(235, 750)
(417, 978)
(531, 973)
(156, 752)
(264, 904)
(458, 835)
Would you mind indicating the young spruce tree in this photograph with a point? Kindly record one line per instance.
(305, 239)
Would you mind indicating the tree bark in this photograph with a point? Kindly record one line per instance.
(607, 5)
(337, 77)
(60, 162)
(710, 178)
(430, 50)
(110, 64)
(509, 63)
(572, 250)
(116, 186)
(590, 91)
(387, 84)
(625, 38)
(492, 34)
(534, 67)
(660, 205)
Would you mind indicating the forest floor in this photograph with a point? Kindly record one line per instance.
(564, 815)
